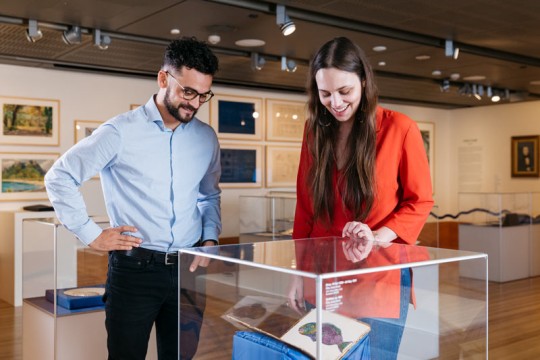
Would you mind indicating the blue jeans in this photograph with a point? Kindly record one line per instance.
(385, 335)
(140, 293)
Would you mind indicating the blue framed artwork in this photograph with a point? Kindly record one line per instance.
(236, 117)
(241, 165)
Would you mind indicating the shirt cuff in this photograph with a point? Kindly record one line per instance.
(89, 232)
(210, 233)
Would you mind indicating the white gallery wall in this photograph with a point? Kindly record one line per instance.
(484, 132)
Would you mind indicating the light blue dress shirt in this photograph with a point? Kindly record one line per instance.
(163, 182)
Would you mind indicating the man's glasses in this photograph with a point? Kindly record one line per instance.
(190, 94)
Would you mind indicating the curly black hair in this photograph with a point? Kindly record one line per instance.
(191, 53)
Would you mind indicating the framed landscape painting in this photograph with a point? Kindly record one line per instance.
(29, 121)
(22, 175)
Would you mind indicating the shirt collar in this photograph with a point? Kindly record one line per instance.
(152, 114)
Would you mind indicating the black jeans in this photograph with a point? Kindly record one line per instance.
(140, 293)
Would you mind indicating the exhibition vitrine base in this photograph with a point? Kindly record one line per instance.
(343, 309)
(63, 283)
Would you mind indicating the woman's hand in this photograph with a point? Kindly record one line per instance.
(360, 242)
(295, 295)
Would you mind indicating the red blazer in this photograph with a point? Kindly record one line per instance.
(403, 201)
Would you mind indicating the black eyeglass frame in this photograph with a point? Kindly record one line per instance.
(186, 91)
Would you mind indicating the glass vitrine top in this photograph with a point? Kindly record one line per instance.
(327, 257)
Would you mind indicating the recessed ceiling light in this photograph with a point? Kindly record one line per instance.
(535, 82)
(474, 78)
(175, 31)
(250, 42)
(422, 57)
(382, 63)
(436, 73)
(379, 48)
(454, 76)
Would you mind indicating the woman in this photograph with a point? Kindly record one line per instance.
(364, 175)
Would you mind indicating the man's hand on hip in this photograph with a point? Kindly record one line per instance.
(113, 239)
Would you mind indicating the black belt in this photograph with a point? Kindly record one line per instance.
(160, 257)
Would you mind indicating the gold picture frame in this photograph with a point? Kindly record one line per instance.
(282, 165)
(84, 128)
(237, 117)
(27, 121)
(285, 120)
(20, 185)
(525, 156)
(241, 166)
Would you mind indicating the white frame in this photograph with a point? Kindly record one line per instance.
(259, 166)
(282, 158)
(80, 127)
(259, 121)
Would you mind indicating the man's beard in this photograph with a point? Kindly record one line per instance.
(175, 110)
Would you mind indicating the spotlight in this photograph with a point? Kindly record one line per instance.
(33, 34)
(102, 41)
(288, 65)
(450, 50)
(214, 39)
(445, 85)
(72, 35)
(286, 25)
(257, 61)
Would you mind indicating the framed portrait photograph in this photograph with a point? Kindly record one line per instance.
(285, 120)
(22, 175)
(85, 128)
(29, 121)
(241, 166)
(525, 156)
(236, 117)
(427, 130)
(282, 165)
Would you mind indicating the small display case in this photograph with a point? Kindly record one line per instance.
(63, 284)
(264, 218)
(506, 226)
(249, 312)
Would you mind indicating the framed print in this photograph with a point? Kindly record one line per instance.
(29, 121)
(84, 128)
(241, 166)
(236, 117)
(282, 165)
(427, 130)
(285, 120)
(525, 156)
(22, 175)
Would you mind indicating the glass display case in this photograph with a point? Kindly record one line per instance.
(341, 306)
(264, 218)
(506, 227)
(63, 284)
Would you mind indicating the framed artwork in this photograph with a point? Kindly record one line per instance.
(285, 120)
(241, 166)
(236, 117)
(84, 128)
(29, 121)
(282, 165)
(427, 130)
(525, 156)
(22, 175)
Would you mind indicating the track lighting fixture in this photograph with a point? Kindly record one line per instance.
(33, 34)
(72, 35)
(288, 65)
(102, 41)
(257, 61)
(286, 25)
(450, 50)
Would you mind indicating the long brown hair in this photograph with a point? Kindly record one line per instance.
(358, 175)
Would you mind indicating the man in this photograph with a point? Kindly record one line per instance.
(160, 169)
